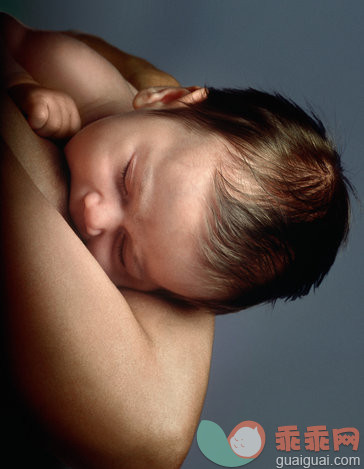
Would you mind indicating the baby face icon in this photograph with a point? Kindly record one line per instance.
(247, 439)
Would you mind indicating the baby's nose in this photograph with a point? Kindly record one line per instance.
(99, 216)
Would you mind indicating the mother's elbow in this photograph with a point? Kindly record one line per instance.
(166, 450)
(146, 449)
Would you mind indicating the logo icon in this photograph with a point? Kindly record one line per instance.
(245, 443)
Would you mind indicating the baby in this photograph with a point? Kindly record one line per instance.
(220, 198)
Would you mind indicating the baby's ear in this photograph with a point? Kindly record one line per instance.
(161, 96)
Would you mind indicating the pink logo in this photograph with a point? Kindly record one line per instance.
(247, 439)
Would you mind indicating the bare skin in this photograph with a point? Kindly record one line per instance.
(140, 364)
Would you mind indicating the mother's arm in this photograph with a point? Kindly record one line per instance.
(119, 380)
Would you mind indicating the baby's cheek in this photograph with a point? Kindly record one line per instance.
(100, 249)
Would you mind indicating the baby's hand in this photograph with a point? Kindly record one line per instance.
(50, 113)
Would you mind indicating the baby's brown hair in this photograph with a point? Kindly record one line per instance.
(281, 206)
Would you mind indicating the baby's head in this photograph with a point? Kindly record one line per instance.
(225, 200)
(280, 209)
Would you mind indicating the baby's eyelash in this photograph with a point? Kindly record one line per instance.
(121, 249)
(122, 180)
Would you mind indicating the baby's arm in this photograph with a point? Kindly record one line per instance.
(64, 80)
(66, 61)
(137, 71)
(59, 62)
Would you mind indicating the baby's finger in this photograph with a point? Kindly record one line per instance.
(38, 114)
(65, 130)
(53, 125)
(67, 116)
(75, 120)
(70, 121)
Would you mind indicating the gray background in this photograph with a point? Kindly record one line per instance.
(299, 363)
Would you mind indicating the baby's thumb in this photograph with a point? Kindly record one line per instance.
(38, 115)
